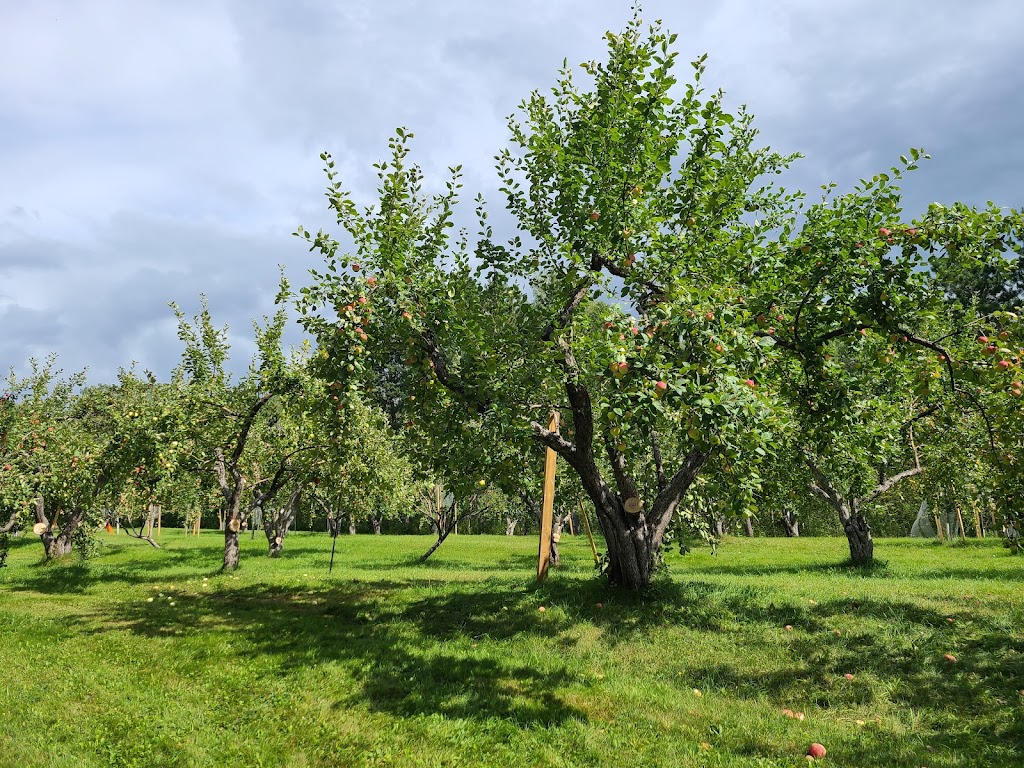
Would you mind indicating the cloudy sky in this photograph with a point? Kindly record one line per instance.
(153, 150)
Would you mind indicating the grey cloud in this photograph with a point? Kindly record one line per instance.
(153, 151)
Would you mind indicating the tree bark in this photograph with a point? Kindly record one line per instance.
(858, 534)
(351, 526)
(377, 522)
(748, 524)
(276, 524)
(790, 523)
(60, 544)
(510, 526)
(232, 549)
(720, 525)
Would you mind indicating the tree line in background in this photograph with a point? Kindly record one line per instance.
(720, 349)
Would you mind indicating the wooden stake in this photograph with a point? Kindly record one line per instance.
(159, 519)
(548, 505)
(590, 534)
(963, 533)
(977, 522)
(571, 531)
(938, 527)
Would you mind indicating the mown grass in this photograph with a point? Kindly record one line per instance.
(142, 657)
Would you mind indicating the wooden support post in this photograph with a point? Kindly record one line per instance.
(977, 522)
(547, 506)
(590, 534)
(159, 519)
(938, 527)
(960, 518)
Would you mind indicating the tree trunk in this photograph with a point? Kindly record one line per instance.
(748, 523)
(438, 543)
(56, 545)
(277, 524)
(510, 526)
(231, 548)
(377, 523)
(720, 522)
(351, 526)
(632, 551)
(557, 523)
(790, 523)
(858, 534)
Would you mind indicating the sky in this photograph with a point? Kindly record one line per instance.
(155, 150)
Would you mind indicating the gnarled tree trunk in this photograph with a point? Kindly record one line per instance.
(848, 506)
(276, 523)
(510, 526)
(58, 544)
(790, 523)
(377, 523)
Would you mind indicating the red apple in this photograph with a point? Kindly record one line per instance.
(1004, 364)
(983, 339)
(950, 658)
(362, 299)
(371, 281)
(750, 383)
(608, 325)
(709, 315)
(848, 676)
(816, 750)
(406, 316)
(355, 267)
(883, 232)
(594, 215)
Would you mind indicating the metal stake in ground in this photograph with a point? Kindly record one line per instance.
(548, 505)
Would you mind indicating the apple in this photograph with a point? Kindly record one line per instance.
(863, 331)
(406, 316)
(1004, 364)
(594, 215)
(542, 609)
(621, 370)
(848, 676)
(751, 383)
(859, 245)
(883, 232)
(690, 221)
(1004, 335)
(362, 299)
(816, 751)
(789, 627)
(608, 325)
(983, 339)
(600, 605)
(371, 281)
(950, 658)
(762, 320)
(771, 331)
(709, 315)
(660, 387)
(481, 482)
(719, 348)
(635, 330)
(355, 267)
(805, 249)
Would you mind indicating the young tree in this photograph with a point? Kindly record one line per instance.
(232, 424)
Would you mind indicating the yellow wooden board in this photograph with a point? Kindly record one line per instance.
(547, 506)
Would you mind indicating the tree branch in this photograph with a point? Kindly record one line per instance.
(883, 487)
(668, 499)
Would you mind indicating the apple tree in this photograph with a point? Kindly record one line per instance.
(647, 214)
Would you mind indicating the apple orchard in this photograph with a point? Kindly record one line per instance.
(716, 346)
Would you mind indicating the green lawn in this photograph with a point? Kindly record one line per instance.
(143, 657)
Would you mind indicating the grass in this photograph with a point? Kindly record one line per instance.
(142, 657)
